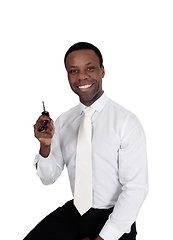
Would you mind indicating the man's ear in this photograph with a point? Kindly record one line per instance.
(103, 71)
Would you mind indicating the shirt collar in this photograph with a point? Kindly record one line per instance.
(98, 105)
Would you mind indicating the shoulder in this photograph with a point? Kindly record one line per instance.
(118, 111)
(125, 118)
(117, 107)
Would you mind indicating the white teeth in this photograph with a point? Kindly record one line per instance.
(85, 86)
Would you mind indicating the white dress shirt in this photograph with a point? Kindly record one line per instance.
(120, 178)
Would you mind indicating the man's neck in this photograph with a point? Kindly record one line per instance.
(89, 103)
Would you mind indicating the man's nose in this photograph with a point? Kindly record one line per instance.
(82, 76)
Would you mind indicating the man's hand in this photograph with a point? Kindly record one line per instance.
(45, 136)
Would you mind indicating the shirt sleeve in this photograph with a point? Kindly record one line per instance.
(133, 176)
(50, 168)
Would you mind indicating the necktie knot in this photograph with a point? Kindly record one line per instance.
(89, 112)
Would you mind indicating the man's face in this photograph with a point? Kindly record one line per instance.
(85, 75)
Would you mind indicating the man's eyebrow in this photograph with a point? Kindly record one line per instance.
(85, 65)
(88, 63)
(73, 66)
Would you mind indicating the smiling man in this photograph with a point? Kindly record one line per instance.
(117, 174)
(85, 73)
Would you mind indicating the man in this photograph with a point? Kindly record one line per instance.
(119, 165)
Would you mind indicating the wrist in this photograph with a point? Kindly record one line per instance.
(44, 150)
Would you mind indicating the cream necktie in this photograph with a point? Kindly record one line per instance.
(83, 176)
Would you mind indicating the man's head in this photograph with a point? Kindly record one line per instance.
(84, 65)
(84, 45)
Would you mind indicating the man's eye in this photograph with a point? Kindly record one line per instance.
(90, 68)
(73, 71)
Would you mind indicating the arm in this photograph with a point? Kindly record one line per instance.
(133, 178)
(49, 162)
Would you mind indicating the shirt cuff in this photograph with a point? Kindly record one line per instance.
(38, 158)
(109, 232)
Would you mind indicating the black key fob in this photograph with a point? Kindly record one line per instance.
(44, 123)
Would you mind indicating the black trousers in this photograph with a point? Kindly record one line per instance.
(65, 223)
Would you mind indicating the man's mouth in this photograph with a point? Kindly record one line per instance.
(85, 86)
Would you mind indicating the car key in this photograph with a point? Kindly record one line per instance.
(44, 123)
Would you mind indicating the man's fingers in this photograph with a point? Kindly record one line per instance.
(44, 134)
(42, 118)
(45, 141)
(48, 132)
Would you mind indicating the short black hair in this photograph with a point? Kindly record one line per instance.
(84, 45)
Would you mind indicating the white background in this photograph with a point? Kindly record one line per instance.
(136, 40)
